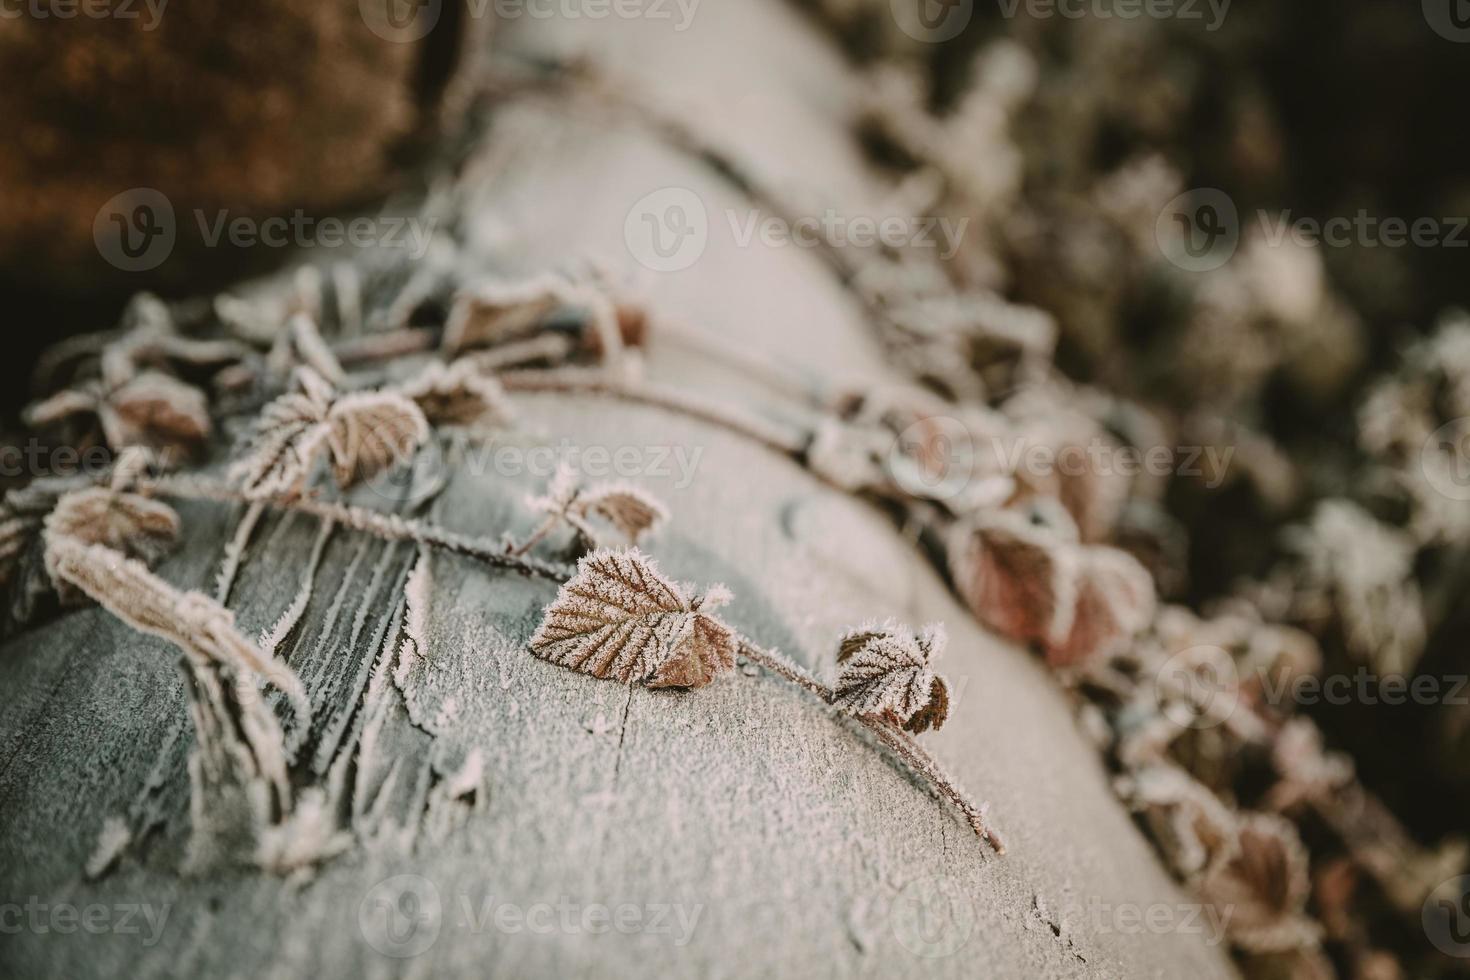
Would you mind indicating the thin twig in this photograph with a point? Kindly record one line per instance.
(777, 663)
(389, 527)
(645, 394)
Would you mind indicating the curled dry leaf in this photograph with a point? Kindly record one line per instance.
(1266, 883)
(1115, 602)
(125, 522)
(885, 672)
(618, 618)
(458, 394)
(1018, 578)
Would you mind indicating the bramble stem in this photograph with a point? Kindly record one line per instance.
(389, 527)
(903, 745)
(644, 394)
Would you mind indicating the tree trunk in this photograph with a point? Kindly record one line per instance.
(748, 829)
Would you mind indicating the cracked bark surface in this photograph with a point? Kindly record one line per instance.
(495, 776)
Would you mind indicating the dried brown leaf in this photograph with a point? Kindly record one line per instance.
(1019, 579)
(459, 394)
(156, 411)
(496, 312)
(372, 431)
(633, 512)
(1267, 885)
(886, 672)
(618, 618)
(133, 525)
(1115, 602)
(1193, 829)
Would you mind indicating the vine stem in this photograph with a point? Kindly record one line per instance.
(645, 394)
(536, 536)
(905, 746)
(389, 527)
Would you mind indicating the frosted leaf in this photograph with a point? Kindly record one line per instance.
(494, 312)
(283, 444)
(1193, 829)
(150, 409)
(1266, 884)
(372, 431)
(235, 729)
(458, 394)
(632, 511)
(1115, 601)
(125, 522)
(1019, 579)
(618, 618)
(365, 432)
(885, 672)
(156, 410)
